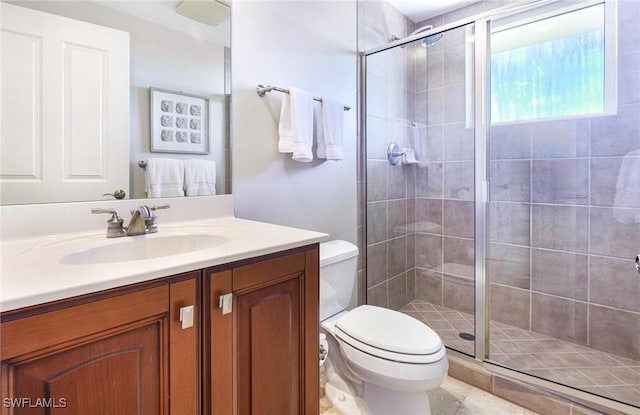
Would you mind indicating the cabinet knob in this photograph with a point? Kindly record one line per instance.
(186, 316)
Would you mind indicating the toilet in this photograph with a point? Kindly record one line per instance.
(380, 361)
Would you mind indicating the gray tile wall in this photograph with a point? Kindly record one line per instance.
(562, 243)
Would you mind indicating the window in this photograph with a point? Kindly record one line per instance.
(554, 65)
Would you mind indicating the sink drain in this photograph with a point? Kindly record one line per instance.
(467, 336)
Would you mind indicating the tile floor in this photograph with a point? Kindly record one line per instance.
(602, 373)
(454, 397)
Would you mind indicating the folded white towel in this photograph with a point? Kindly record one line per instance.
(285, 128)
(200, 177)
(296, 125)
(332, 125)
(164, 177)
(628, 189)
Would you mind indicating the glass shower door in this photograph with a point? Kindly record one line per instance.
(564, 223)
(420, 211)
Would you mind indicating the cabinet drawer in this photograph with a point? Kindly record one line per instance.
(36, 332)
(260, 273)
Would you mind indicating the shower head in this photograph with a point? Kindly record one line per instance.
(427, 41)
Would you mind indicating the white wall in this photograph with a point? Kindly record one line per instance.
(310, 45)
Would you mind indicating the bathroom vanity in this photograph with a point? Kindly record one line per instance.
(230, 328)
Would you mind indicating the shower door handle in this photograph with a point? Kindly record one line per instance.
(638, 263)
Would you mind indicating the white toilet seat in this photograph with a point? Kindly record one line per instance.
(389, 334)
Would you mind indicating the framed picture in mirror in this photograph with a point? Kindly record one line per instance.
(179, 122)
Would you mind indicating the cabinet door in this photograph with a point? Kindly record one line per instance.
(121, 355)
(269, 339)
(102, 357)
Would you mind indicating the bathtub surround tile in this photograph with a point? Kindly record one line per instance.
(435, 71)
(615, 283)
(435, 106)
(459, 257)
(560, 273)
(396, 256)
(509, 223)
(509, 265)
(397, 294)
(563, 181)
(510, 305)
(428, 251)
(560, 318)
(429, 286)
(459, 219)
(454, 65)
(458, 142)
(510, 180)
(435, 141)
(611, 235)
(376, 180)
(397, 182)
(560, 227)
(604, 178)
(615, 331)
(459, 180)
(560, 139)
(376, 264)
(378, 295)
(454, 103)
(510, 141)
(629, 78)
(377, 222)
(429, 215)
(429, 180)
(616, 135)
(397, 218)
(458, 293)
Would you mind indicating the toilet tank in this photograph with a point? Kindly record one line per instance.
(338, 263)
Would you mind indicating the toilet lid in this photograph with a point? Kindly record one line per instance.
(389, 330)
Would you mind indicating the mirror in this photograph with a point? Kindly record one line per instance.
(167, 51)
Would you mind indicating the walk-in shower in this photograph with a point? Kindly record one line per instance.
(513, 226)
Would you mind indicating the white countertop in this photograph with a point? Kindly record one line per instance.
(33, 272)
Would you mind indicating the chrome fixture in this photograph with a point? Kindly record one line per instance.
(143, 220)
(400, 156)
(262, 90)
(638, 263)
(427, 41)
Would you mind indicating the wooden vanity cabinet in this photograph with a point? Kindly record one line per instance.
(122, 351)
(262, 357)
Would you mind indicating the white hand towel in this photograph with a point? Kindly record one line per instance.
(164, 177)
(302, 124)
(200, 177)
(627, 194)
(285, 128)
(332, 125)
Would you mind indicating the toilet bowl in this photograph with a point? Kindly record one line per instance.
(385, 361)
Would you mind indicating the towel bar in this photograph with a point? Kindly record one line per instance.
(262, 90)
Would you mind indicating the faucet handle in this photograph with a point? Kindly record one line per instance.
(114, 224)
(152, 221)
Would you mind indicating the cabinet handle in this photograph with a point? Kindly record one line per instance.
(186, 316)
(225, 303)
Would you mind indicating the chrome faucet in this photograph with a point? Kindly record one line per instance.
(143, 220)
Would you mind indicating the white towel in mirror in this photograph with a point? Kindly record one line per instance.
(199, 177)
(164, 177)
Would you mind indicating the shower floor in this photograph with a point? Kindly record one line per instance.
(561, 361)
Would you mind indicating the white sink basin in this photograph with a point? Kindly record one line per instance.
(136, 248)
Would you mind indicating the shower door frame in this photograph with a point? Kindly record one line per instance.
(481, 116)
